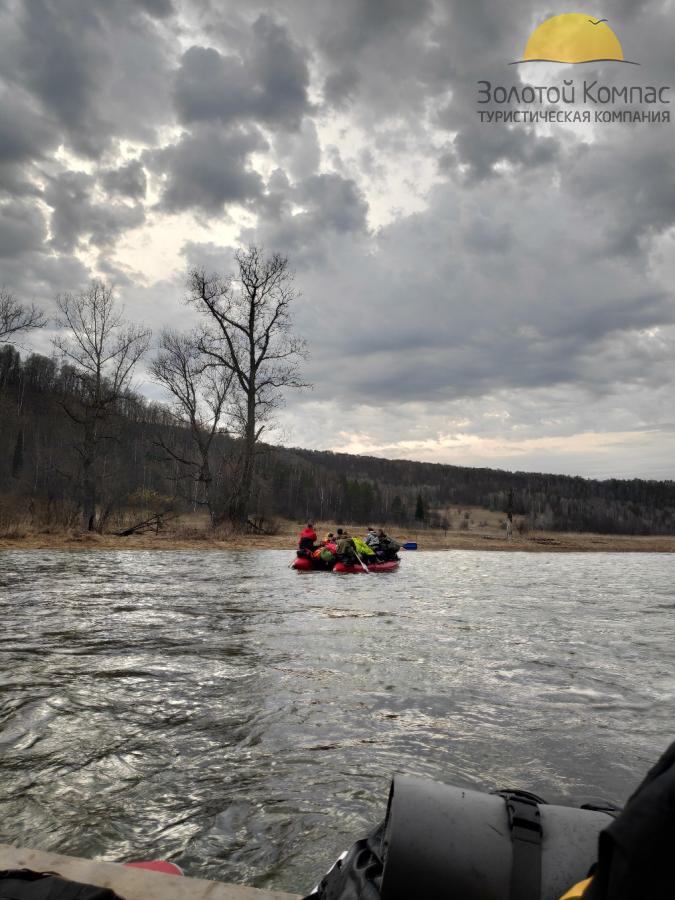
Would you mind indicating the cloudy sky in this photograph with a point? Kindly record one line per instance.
(472, 293)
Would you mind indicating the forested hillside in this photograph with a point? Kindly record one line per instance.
(147, 461)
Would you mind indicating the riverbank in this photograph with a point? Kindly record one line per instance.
(194, 539)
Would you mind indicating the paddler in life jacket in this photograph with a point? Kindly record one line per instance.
(307, 540)
(372, 539)
(388, 546)
(345, 547)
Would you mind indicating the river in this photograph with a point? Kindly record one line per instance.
(243, 719)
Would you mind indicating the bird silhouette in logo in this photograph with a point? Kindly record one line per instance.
(597, 21)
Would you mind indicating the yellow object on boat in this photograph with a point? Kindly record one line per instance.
(576, 892)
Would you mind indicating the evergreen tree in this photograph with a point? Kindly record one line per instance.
(420, 511)
(397, 510)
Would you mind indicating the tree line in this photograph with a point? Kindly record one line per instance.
(404, 492)
(79, 447)
(149, 459)
(226, 378)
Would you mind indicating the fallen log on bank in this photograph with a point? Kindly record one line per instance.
(155, 523)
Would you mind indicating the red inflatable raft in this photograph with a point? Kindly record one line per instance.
(389, 566)
(305, 564)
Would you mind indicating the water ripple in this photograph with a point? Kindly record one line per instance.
(224, 711)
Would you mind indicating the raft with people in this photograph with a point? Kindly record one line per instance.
(346, 554)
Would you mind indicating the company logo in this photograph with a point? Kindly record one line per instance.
(573, 38)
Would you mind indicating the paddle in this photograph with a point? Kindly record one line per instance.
(363, 565)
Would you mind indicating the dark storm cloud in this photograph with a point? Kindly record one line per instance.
(24, 134)
(22, 228)
(536, 302)
(267, 83)
(15, 181)
(208, 168)
(625, 179)
(47, 276)
(306, 219)
(211, 86)
(635, 180)
(354, 25)
(538, 268)
(352, 31)
(472, 43)
(483, 236)
(280, 68)
(299, 151)
(58, 61)
(482, 149)
(335, 28)
(76, 215)
(98, 69)
(127, 181)
(26, 137)
(340, 86)
(410, 61)
(160, 9)
(386, 60)
(333, 202)
(354, 44)
(34, 276)
(627, 175)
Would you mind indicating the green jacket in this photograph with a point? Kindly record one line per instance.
(362, 548)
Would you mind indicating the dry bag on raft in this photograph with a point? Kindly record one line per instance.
(439, 841)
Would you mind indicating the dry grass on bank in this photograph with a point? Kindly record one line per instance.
(192, 532)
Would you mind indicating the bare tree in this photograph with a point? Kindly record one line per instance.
(102, 351)
(248, 334)
(199, 393)
(16, 317)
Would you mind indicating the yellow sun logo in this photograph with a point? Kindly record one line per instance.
(573, 38)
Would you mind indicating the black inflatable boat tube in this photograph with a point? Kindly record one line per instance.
(447, 842)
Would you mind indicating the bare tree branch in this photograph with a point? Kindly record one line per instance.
(200, 392)
(102, 351)
(248, 334)
(16, 317)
